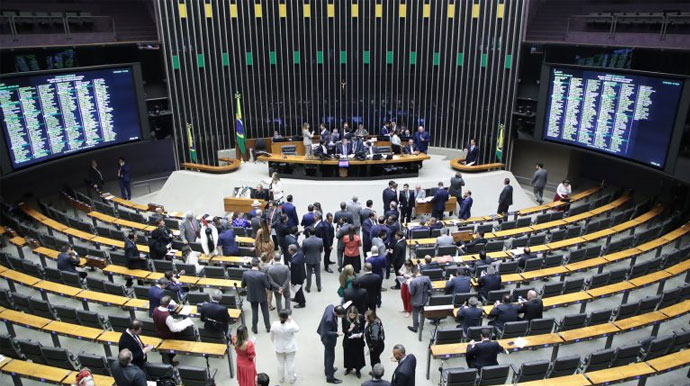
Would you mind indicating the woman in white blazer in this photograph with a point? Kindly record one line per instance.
(209, 238)
(285, 344)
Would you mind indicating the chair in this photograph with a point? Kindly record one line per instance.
(163, 265)
(458, 376)
(115, 289)
(451, 250)
(147, 327)
(639, 269)
(598, 280)
(235, 273)
(188, 333)
(247, 251)
(670, 297)
(495, 295)
(552, 289)
(10, 348)
(420, 233)
(572, 321)
(231, 301)
(626, 354)
(599, 317)
(542, 218)
(21, 302)
(214, 272)
(189, 269)
(523, 222)
(513, 329)
(440, 300)
(598, 360)
(41, 308)
(32, 350)
(6, 299)
(564, 366)
(435, 232)
(648, 304)
(119, 323)
(31, 268)
(573, 232)
(52, 274)
(681, 339)
(507, 225)
(484, 228)
(96, 285)
(96, 363)
(71, 279)
(575, 210)
(196, 376)
(627, 310)
(448, 335)
(577, 255)
(493, 375)
(459, 299)
(198, 297)
(141, 291)
(533, 264)
(60, 357)
(475, 332)
(551, 261)
(420, 252)
(541, 326)
(208, 336)
(508, 267)
(66, 314)
(434, 274)
(655, 347)
(558, 235)
(617, 275)
(92, 319)
(519, 242)
(573, 285)
(494, 246)
(156, 371)
(521, 292)
(537, 239)
(531, 371)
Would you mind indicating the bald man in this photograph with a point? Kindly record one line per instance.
(532, 308)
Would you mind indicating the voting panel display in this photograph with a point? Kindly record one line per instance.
(50, 115)
(627, 115)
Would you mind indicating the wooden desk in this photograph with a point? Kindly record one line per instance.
(610, 289)
(103, 298)
(590, 332)
(218, 283)
(192, 348)
(620, 373)
(546, 272)
(457, 164)
(19, 277)
(670, 361)
(561, 300)
(126, 272)
(650, 278)
(678, 268)
(242, 205)
(568, 380)
(586, 264)
(426, 207)
(37, 371)
(680, 232)
(677, 309)
(125, 203)
(59, 289)
(509, 232)
(639, 321)
(72, 330)
(25, 320)
(575, 197)
(230, 167)
(624, 254)
(548, 225)
(192, 311)
(113, 337)
(53, 254)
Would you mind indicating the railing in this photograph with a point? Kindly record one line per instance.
(98, 21)
(614, 21)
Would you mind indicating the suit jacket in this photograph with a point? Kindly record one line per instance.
(256, 283)
(345, 229)
(128, 376)
(506, 197)
(439, 200)
(291, 211)
(489, 283)
(372, 283)
(504, 313)
(346, 150)
(456, 185)
(132, 255)
(376, 382)
(279, 277)
(364, 214)
(404, 374)
(354, 208)
(129, 342)
(392, 212)
(366, 229)
(472, 154)
(297, 269)
(539, 178)
(421, 140)
(420, 288)
(312, 247)
(95, 177)
(326, 233)
(308, 219)
(359, 298)
(458, 284)
(405, 202)
(470, 317)
(407, 149)
(532, 309)
(523, 259)
(388, 196)
(343, 214)
(256, 224)
(399, 253)
(328, 327)
(67, 262)
(155, 295)
(123, 173)
(465, 207)
(187, 232)
(215, 317)
(484, 353)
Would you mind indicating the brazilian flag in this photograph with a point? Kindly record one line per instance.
(239, 125)
(190, 140)
(499, 142)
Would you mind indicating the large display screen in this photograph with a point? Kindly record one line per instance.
(50, 115)
(623, 114)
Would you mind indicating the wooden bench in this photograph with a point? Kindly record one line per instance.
(458, 165)
(230, 167)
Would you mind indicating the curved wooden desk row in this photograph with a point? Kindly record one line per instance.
(233, 164)
(604, 233)
(457, 164)
(531, 210)
(86, 296)
(300, 159)
(118, 201)
(47, 374)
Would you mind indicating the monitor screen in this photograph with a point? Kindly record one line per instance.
(618, 113)
(52, 114)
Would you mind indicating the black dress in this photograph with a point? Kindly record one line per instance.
(353, 348)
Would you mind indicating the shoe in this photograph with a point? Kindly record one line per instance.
(299, 306)
(329, 270)
(271, 308)
(308, 290)
(358, 374)
(411, 328)
(384, 289)
(334, 381)
(347, 371)
(340, 270)
(268, 329)
(319, 290)
(395, 288)
(254, 330)
(335, 369)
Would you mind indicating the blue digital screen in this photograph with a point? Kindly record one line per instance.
(627, 115)
(50, 115)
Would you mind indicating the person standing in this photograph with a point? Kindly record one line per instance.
(124, 373)
(256, 283)
(421, 139)
(353, 341)
(307, 136)
(244, 348)
(291, 211)
(227, 243)
(404, 374)
(367, 224)
(343, 213)
(352, 244)
(466, 206)
(439, 202)
(407, 272)
(215, 315)
(276, 188)
(263, 243)
(208, 238)
(505, 199)
(328, 331)
(285, 345)
(167, 327)
(297, 274)
(406, 200)
(357, 296)
(354, 207)
(312, 247)
(372, 283)
(189, 228)
(308, 218)
(94, 178)
(341, 230)
(389, 194)
(472, 157)
(375, 337)
(398, 255)
(123, 178)
(130, 340)
(539, 182)
(325, 231)
(420, 287)
(279, 279)
(456, 184)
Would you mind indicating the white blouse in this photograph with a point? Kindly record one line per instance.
(562, 191)
(283, 336)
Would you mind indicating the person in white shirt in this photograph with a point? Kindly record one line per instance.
(285, 345)
(276, 187)
(563, 192)
(209, 237)
(419, 193)
(166, 326)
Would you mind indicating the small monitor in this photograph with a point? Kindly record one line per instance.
(288, 150)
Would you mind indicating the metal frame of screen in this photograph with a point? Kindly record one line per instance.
(6, 162)
(676, 133)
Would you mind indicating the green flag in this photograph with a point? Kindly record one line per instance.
(239, 125)
(190, 138)
(499, 142)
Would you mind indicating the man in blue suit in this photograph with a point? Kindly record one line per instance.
(472, 157)
(344, 148)
(328, 330)
(290, 210)
(123, 178)
(421, 139)
(439, 202)
(389, 194)
(484, 353)
(466, 205)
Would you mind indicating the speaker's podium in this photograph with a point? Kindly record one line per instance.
(241, 205)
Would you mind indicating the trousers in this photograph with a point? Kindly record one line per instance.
(326, 257)
(375, 353)
(299, 297)
(328, 360)
(417, 315)
(316, 270)
(125, 190)
(286, 361)
(437, 213)
(255, 314)
(539, 194)
(279, 299)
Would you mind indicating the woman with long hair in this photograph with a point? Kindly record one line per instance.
(353, 341)
(351, 253)
(374, 336)
(407, 273)
(263, 243)
(345, 280)
(244, 348)
(276, 187)
(307, 136)
(285, 344)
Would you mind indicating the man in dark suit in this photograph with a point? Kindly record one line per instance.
(526, 255)
(478, 239)
(343, 228)
(367, 224)
(126, 374)
(466, 206)
(532, 308)
(297, 274)
(392, 211)
(398, 256)
(279, 278)
(130, 340)
(156, 293)
(376, 375)
(421, 139)
(134, 259)
(503, 312)
(484, 353)
(458, 284)
(410, 148)
(439, 202)
(404, 374)
(372, 283)
(505, 199)
(312, 247)
(488, 281)
(289, 239)
(69, 261)
(95, 177)
(326, 232)
(291, 212)
(344, 214)
(215, 315)
(256, 283)
(308, 218)
(365, 212)
(389, 194)
(470, 315)
(328, 331)
(344, 148)
(124, 178)
(406, 201)
(357, 295)
(420, 289)
(539, 182)
(456, 184)
(472, 157)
